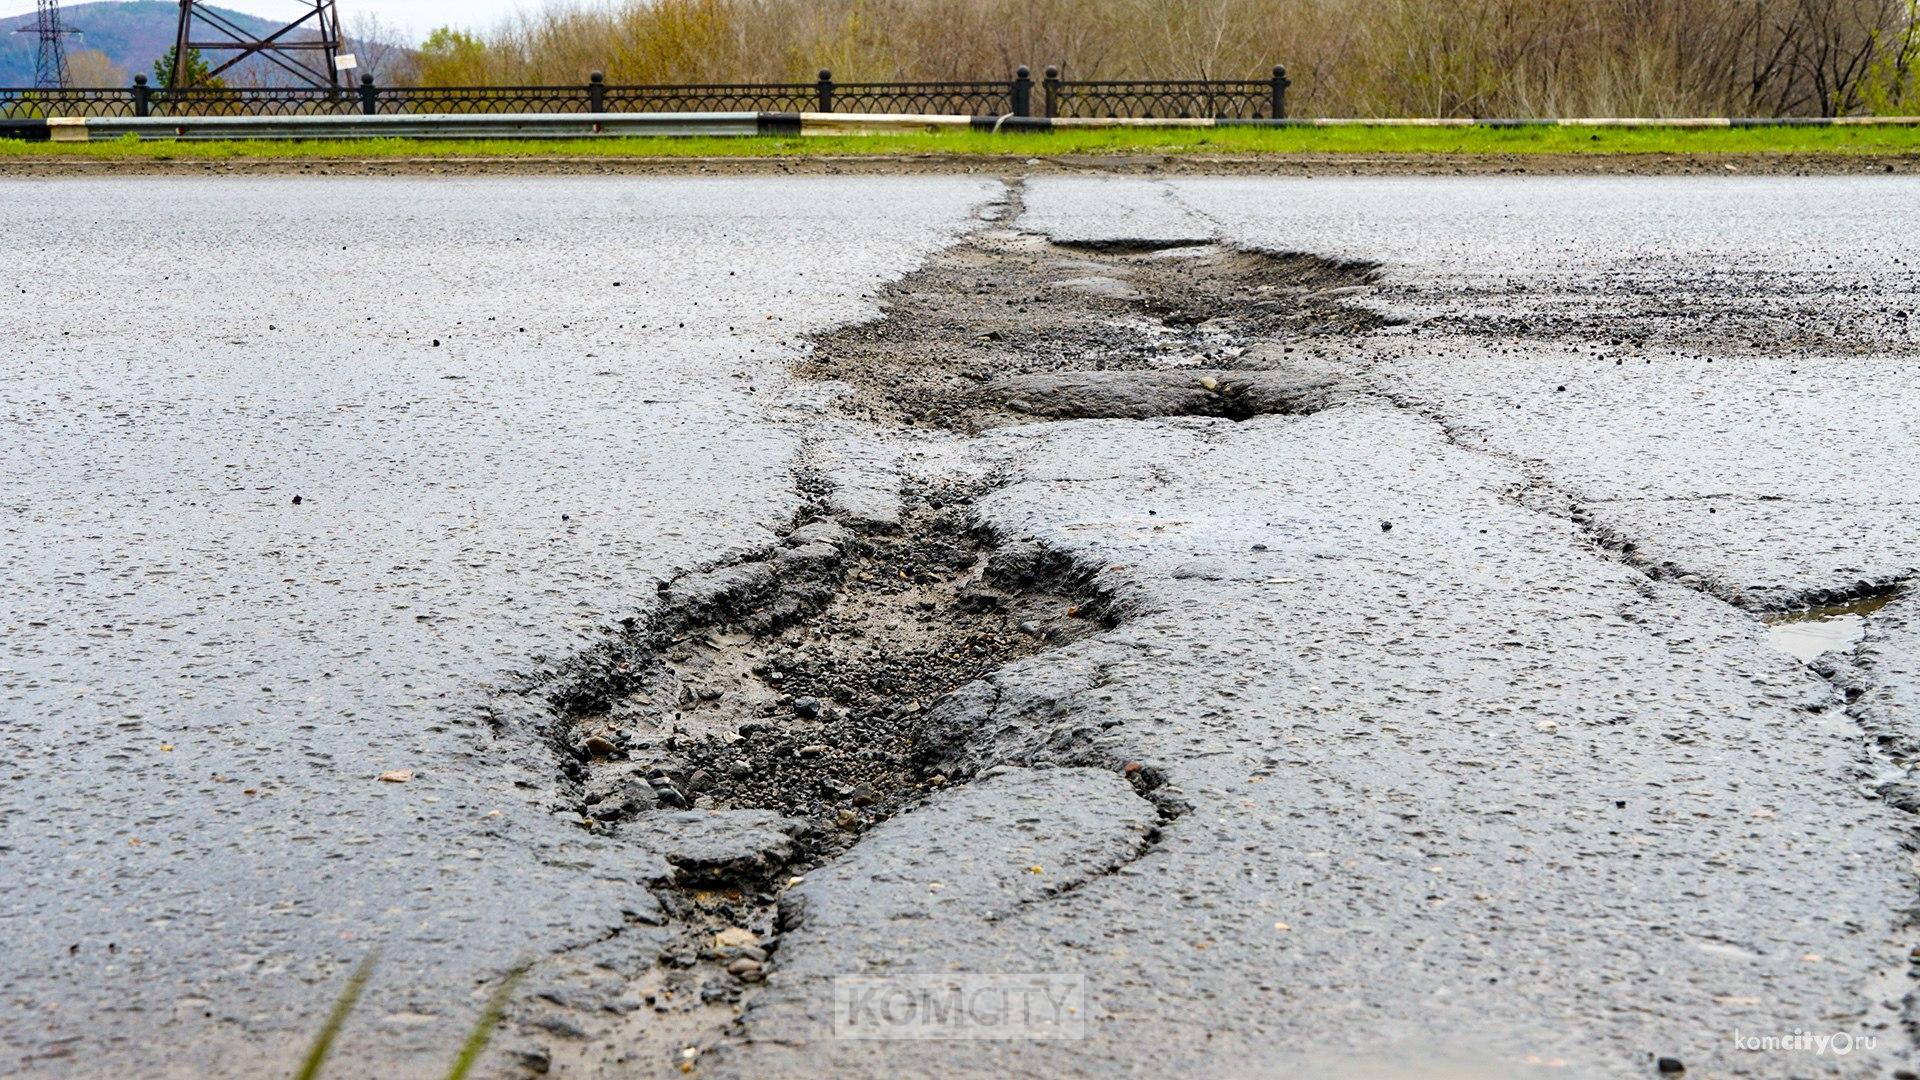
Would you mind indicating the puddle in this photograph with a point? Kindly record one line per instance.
(1809, 632)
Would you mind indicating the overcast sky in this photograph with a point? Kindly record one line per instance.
(413, 18)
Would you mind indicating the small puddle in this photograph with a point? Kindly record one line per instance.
(1809, 632)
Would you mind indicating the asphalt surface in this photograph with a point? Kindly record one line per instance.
(1473, 795)
(506, 409)
(1473, 756)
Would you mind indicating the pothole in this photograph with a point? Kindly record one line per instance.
(1809, 633)
(771, 710)
(1136, 246)
(1007, 327)
(797, 685)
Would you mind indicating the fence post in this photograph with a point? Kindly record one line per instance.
(1023, 92)
(369, 96)
(825, 87)
(1280, 85)
(597, 92)
(142, 96)
(1051, 85)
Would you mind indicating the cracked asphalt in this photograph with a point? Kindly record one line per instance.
(1473, 757)
(507, 410)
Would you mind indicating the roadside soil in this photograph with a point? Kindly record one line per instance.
(1276, 164)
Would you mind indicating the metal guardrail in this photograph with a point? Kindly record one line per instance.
(423, 126)
(589, 125)
(1241, 99)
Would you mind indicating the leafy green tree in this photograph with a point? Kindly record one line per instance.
(1893, 81)
(195, 72)
(452, 57)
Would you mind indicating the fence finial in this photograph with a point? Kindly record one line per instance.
(1022, 91)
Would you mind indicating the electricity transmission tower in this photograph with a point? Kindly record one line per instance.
(308, 48)
(50, 58)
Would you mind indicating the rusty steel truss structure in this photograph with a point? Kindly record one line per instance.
(307, 49)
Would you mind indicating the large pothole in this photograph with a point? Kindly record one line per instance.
(795, 682)
(772, 709)
(768, 713)
(1007, 327)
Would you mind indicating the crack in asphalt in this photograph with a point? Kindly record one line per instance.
(653, 719)
(1005, 327)
(1541, 495)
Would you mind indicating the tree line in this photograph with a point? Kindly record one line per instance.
(1345, 57)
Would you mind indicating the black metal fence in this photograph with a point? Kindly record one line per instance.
(1242, 99)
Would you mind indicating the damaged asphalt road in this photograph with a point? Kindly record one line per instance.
(1324, 614)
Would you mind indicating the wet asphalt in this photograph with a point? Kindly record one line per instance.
(293, 474)
(1515, 786)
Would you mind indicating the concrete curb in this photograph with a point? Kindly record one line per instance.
(589, 125)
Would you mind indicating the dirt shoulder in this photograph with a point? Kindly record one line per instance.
(1302, 164)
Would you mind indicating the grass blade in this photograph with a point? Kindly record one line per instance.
(483, 1028)
(323, 1042)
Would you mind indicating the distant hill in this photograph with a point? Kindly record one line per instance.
(133, 34)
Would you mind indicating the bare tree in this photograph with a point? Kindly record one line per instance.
(91, 67)
(1841, 41)
(377, 46)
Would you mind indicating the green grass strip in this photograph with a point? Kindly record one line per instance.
(483, 1028)
(1235, 141)
(323, 1042)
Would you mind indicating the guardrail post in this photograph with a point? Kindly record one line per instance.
(142, 96)
(597, 92)
(1023, 92)
(369, 96)
(825, 87)
(1050, 84)
(1280, 85)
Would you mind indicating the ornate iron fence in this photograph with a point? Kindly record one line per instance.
(1164, 99)
(709, 97)
(290, 101)
(393, 100)
(20, 104)
(935, 98)
(1143, 98)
